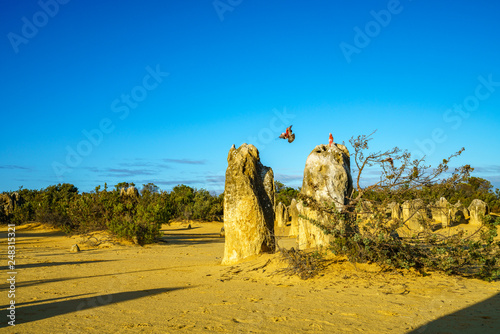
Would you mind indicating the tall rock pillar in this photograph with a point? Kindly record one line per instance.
(248, 205)
(327, 179)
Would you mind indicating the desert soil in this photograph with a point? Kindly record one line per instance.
(179, 286)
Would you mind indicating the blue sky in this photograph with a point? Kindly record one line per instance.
(158, 91)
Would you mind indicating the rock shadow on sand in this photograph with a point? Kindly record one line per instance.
(188, 239)
(50, 264)
(40, 311)
(38, 282)
(481, 318)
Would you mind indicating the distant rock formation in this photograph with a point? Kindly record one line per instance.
(293, 212)
(441, 212)
(364, 210)
(129, 191)
(395, 211)
(248, 205)
(281, 215)
(6, 205)
(459, 213)
(327, 179)
(132, 191)
(8, 202)
(478, 209)
(414, 214)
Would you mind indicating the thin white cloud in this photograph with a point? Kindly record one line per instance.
(288, 177)
(14, 167)
(186, 161)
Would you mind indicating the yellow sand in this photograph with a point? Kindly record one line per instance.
(180, 286)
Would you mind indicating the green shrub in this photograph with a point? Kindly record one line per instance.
(284, 194)
(136, 218)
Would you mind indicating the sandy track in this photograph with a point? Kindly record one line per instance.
(179, 286)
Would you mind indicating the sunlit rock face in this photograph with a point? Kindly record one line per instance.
(414, 214)
(294, 219)
(327, 179)
(441, 212)
(248, 205)
(477, 210)
(281, 215)
(395, 208)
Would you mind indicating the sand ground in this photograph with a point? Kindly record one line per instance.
(179, 286)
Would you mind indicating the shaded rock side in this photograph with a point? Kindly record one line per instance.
(74, 248)
(327, 179)
(248, 205)
(459, 213)
(8, 203)
(130, 191)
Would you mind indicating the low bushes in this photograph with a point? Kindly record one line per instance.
(127, 214)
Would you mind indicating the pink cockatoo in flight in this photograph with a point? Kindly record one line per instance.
(288, 134)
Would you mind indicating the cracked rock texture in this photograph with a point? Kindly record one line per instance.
(248, 205)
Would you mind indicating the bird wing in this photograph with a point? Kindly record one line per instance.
(291, 138)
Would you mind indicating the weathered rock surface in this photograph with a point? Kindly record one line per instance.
(477, 210)
(441, 212)
(281, 215)
(132, 191)
(459, 213)
(414, 214)
(293, 212)
(8, 202)
(248, 205)
(395, 208)
(327, 179)
(74, 248)
(129, 191)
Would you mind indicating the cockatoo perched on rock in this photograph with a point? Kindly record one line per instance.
(288, 134)
(389, 160)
